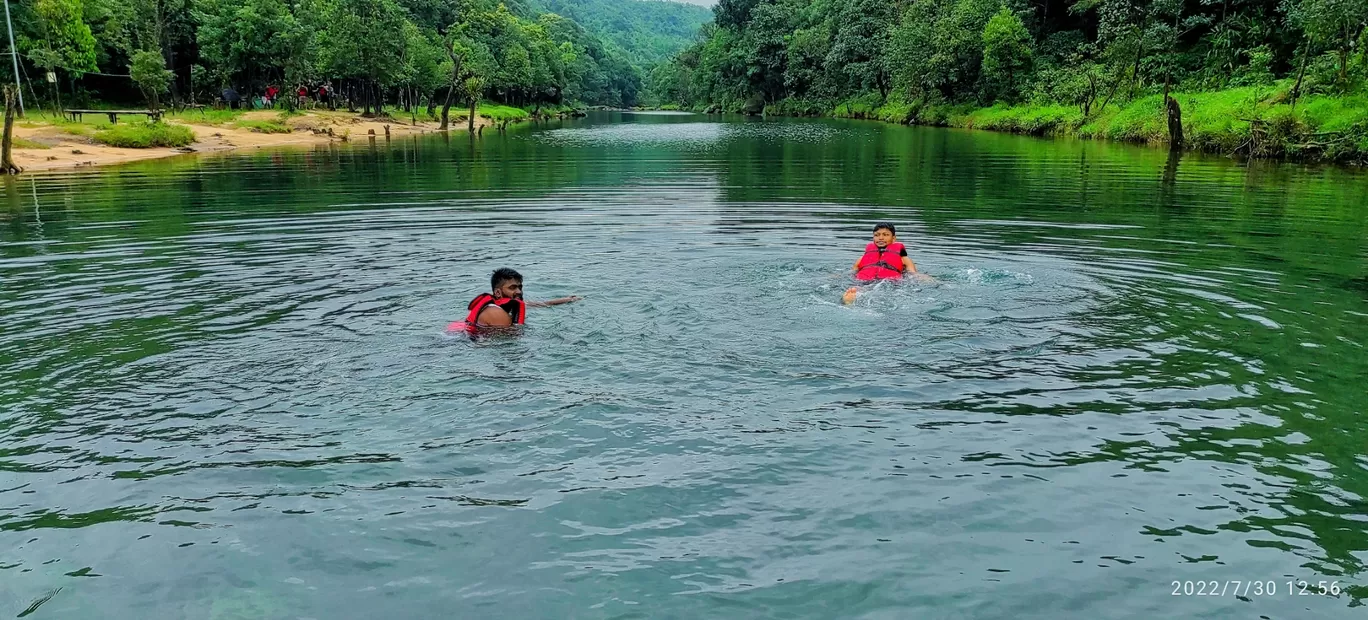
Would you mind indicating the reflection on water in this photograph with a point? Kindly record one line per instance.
(689, 136)
(227, 392)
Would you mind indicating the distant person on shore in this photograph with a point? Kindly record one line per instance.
(884, 259)
(503, 306)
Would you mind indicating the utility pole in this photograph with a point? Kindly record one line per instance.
(14, 56)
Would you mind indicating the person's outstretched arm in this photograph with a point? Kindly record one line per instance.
(908, 265)
(554, 302)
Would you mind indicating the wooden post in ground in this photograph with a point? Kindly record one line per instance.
(11, 104)
(1175, 120)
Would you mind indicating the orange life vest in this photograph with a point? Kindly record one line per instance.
(881, 263)
(514, 307)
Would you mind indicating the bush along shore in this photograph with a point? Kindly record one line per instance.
(1255, 78)
(1257, 122)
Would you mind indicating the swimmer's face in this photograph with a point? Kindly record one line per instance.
(883, 237)
(509, 289)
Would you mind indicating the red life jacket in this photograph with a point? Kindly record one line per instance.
(514, 307)
(881, 263)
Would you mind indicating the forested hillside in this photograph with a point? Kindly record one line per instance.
(649, 30)
(1087, 66)
(371, 51)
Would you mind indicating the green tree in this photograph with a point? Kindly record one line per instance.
(514, 77)
(149, 72)
(765, 49)
(350, 48)
(67, 43)
(163, 25)
(1330, 24)
(939, 46)
(469, 64)
(1006, 53)
(472, 88)
(252, 40)
(421, 72)
(66, 34)
(911, 45)
(859, 48)
(805, 72)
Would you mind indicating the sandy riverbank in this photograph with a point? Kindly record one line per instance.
(66, 149)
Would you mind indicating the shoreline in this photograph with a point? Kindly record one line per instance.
(62, 148)
(1243, 123)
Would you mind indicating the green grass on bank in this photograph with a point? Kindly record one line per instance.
(264, 126)
(1257, 121)
(500, 113)
(143, 135)
(86, 127)
(20, 143)
(206, 116)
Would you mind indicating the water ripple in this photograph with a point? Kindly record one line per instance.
(227, 391)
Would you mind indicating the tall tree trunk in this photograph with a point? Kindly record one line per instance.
(1344, 64)
(1135, 70)
(470, 122)
(1092, 94)
(171, 66)
(1301, 73)
(446, 107)
(6, 160)
(1115, 86)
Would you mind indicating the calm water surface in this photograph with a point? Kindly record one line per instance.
(225, 390)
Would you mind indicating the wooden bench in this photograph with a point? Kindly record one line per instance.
(114, 114)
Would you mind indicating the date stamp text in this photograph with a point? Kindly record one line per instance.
(1246, 589)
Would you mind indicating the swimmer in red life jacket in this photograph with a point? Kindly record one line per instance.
(503, 306)
(884, 259)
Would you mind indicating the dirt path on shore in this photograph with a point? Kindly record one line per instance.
(67, 150)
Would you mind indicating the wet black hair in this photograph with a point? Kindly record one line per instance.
(501, 275)
(885, 225)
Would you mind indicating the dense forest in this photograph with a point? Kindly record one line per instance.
(1076, 51)
(650, 31)
(916, 60)
(371, 51)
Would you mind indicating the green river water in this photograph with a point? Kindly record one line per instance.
(1137, 386)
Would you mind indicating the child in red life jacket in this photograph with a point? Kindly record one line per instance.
(884, 259)
(503, 306)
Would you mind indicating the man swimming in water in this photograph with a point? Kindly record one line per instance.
(503, 306)
(884, 259)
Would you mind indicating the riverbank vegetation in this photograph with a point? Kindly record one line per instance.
(144, 135)
(357, 54)
(1252, 77)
